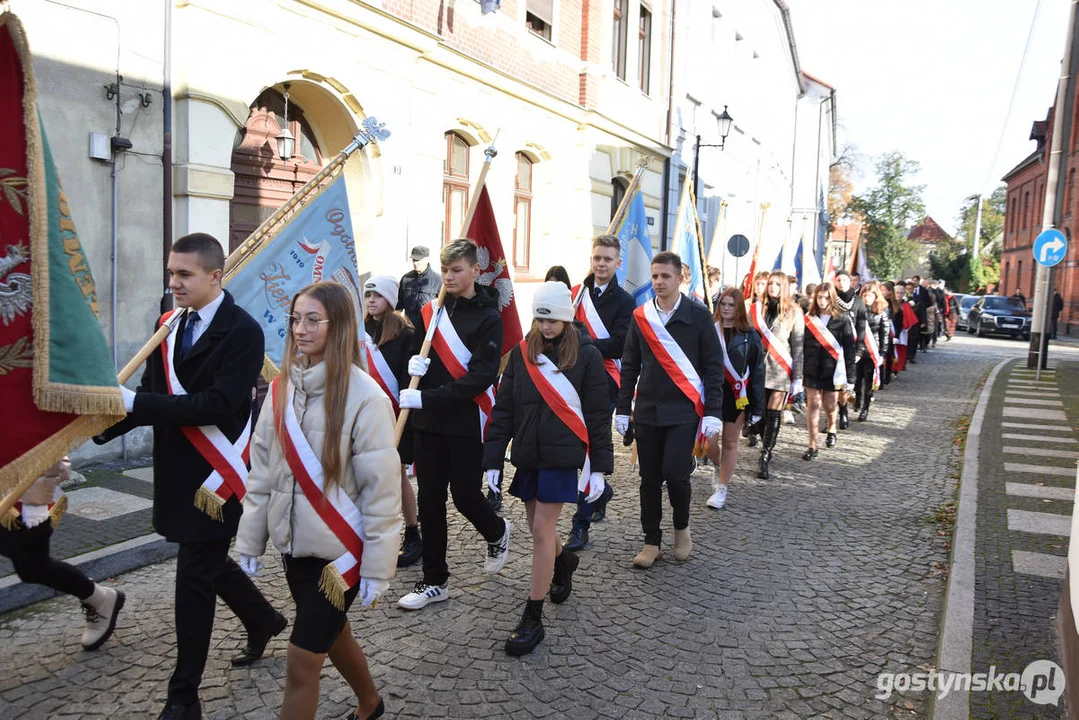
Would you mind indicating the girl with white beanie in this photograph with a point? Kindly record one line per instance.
(553, 403)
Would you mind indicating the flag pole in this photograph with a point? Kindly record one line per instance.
(425, 349)
(700, 251)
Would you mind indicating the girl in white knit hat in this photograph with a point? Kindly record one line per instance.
(553, 403)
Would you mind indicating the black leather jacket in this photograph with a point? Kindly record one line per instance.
(879, 326)
(747, 349)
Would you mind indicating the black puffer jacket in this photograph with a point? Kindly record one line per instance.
(540, 439)
(416, 290)
(817, 363)
(447, 403)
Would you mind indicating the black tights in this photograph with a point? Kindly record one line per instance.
(28, 550)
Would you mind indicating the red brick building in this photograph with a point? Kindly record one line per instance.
(928, 234)
(1023, 221)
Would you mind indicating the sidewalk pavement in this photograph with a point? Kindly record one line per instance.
(107, 530)
(1014, 523)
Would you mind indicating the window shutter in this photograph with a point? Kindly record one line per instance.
(543, 9)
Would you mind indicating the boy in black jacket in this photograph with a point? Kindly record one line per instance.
(455, 396)
(603, 298)
(850, 302)
(673, 400)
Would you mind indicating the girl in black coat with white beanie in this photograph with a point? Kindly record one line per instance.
(552, 398)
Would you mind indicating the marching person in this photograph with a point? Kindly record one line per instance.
(758, 294)
(24, 540)
(916, 297)
(449, 418)
(605, 309)
(672, 348)
(779, 322)
(196, 392)
(743, 391)
(828, 364)
(851, 305)
(387, 344)
(951, 312)
(324, 488)
(418, 286)
(553, 403)
(877, 346)
(890, 305)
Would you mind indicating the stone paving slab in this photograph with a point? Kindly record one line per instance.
(798, 595)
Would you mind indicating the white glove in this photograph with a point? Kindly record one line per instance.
(417, 366)
(34, 515)
(411, 400)
(621, 424)
(129, 398)
(491, 476)
(711, 426)
(251, 565)
(371, 591)
(850, 388)
(596, 486)
(796, 387)
(754, 420)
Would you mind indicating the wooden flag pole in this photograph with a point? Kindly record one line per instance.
(700, 251)
(425, 349)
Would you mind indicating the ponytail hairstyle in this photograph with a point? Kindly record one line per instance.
(342, 352)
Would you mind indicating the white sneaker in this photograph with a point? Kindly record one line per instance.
(498, 552)
(423, 595)
(719, 498)
(101, 610)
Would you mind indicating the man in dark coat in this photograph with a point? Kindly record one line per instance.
(665, 418)
(218, 356)
(614, 307)
(850, 302)
(419, 286)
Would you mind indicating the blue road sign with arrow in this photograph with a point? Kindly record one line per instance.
(1050, 247)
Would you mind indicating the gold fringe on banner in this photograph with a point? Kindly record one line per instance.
(12, 519)
(35, 461)
(333, 586)
(210, 503)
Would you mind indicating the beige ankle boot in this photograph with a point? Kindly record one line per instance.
(648, 555)
(683, 544)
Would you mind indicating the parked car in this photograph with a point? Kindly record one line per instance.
(995, 314)
(966, 302)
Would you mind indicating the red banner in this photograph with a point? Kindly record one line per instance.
(494, 270)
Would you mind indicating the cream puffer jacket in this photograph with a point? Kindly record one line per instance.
(275, 506)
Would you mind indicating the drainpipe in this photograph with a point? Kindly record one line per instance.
(166, 162)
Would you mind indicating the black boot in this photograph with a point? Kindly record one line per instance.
(578, 538)
(411, 548)
(562, 582)
(773, 420)
(844, 422)
(529, 631)
(752, 439)
(864, 415)
(858, 399)
(599, 511)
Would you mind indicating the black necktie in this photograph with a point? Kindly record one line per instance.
(188, 338)
(596, 292)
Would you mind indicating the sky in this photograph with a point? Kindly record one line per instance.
(933, 80)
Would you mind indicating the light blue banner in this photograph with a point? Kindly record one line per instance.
(317, 244)
(635, 273)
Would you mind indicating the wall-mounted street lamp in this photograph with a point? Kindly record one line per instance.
(725, 121)
(286, 143)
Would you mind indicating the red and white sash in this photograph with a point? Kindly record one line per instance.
(563, 399)
(333, 505)
(586, 313)
(828, 341)
(228, 459)
(670, 355)
(455, 357)
(779, 350)
(738, 382)
(380, 371)
(873, 349)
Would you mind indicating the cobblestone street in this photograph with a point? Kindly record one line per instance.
(797, 596)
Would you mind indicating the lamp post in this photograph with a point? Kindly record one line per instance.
(725, 121)
(285, 140)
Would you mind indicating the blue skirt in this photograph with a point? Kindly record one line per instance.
(550, 485)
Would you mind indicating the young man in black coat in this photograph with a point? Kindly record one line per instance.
(446, 423)
(614, 306)
(850, 302)
(218, 357)
(666, 420)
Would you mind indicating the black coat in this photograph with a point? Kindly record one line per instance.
(219, 374)
(416, 290)
(746, 349)
(615, 308)
(879, 325)
(851, 304)
(817, 363)
(540, 439)
(659, 401)
(447, 403)
(397, 351)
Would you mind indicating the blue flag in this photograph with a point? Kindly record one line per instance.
(635, 273)
(798, 261)
(317, 244)
(686, 242)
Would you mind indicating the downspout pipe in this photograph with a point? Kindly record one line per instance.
(166, 162)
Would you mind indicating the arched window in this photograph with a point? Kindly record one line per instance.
(618, 187)
(454, 186)
(522, 213)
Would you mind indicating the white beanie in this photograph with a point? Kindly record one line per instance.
(552, 301)
(384, 285)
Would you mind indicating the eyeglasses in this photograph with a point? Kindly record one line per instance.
(310, 324)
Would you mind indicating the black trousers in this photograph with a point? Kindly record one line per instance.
(664, 453)
(28, 550)
(914, 339)
(886, 376)
(456, 463)
(863, 381)
(205, 572)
